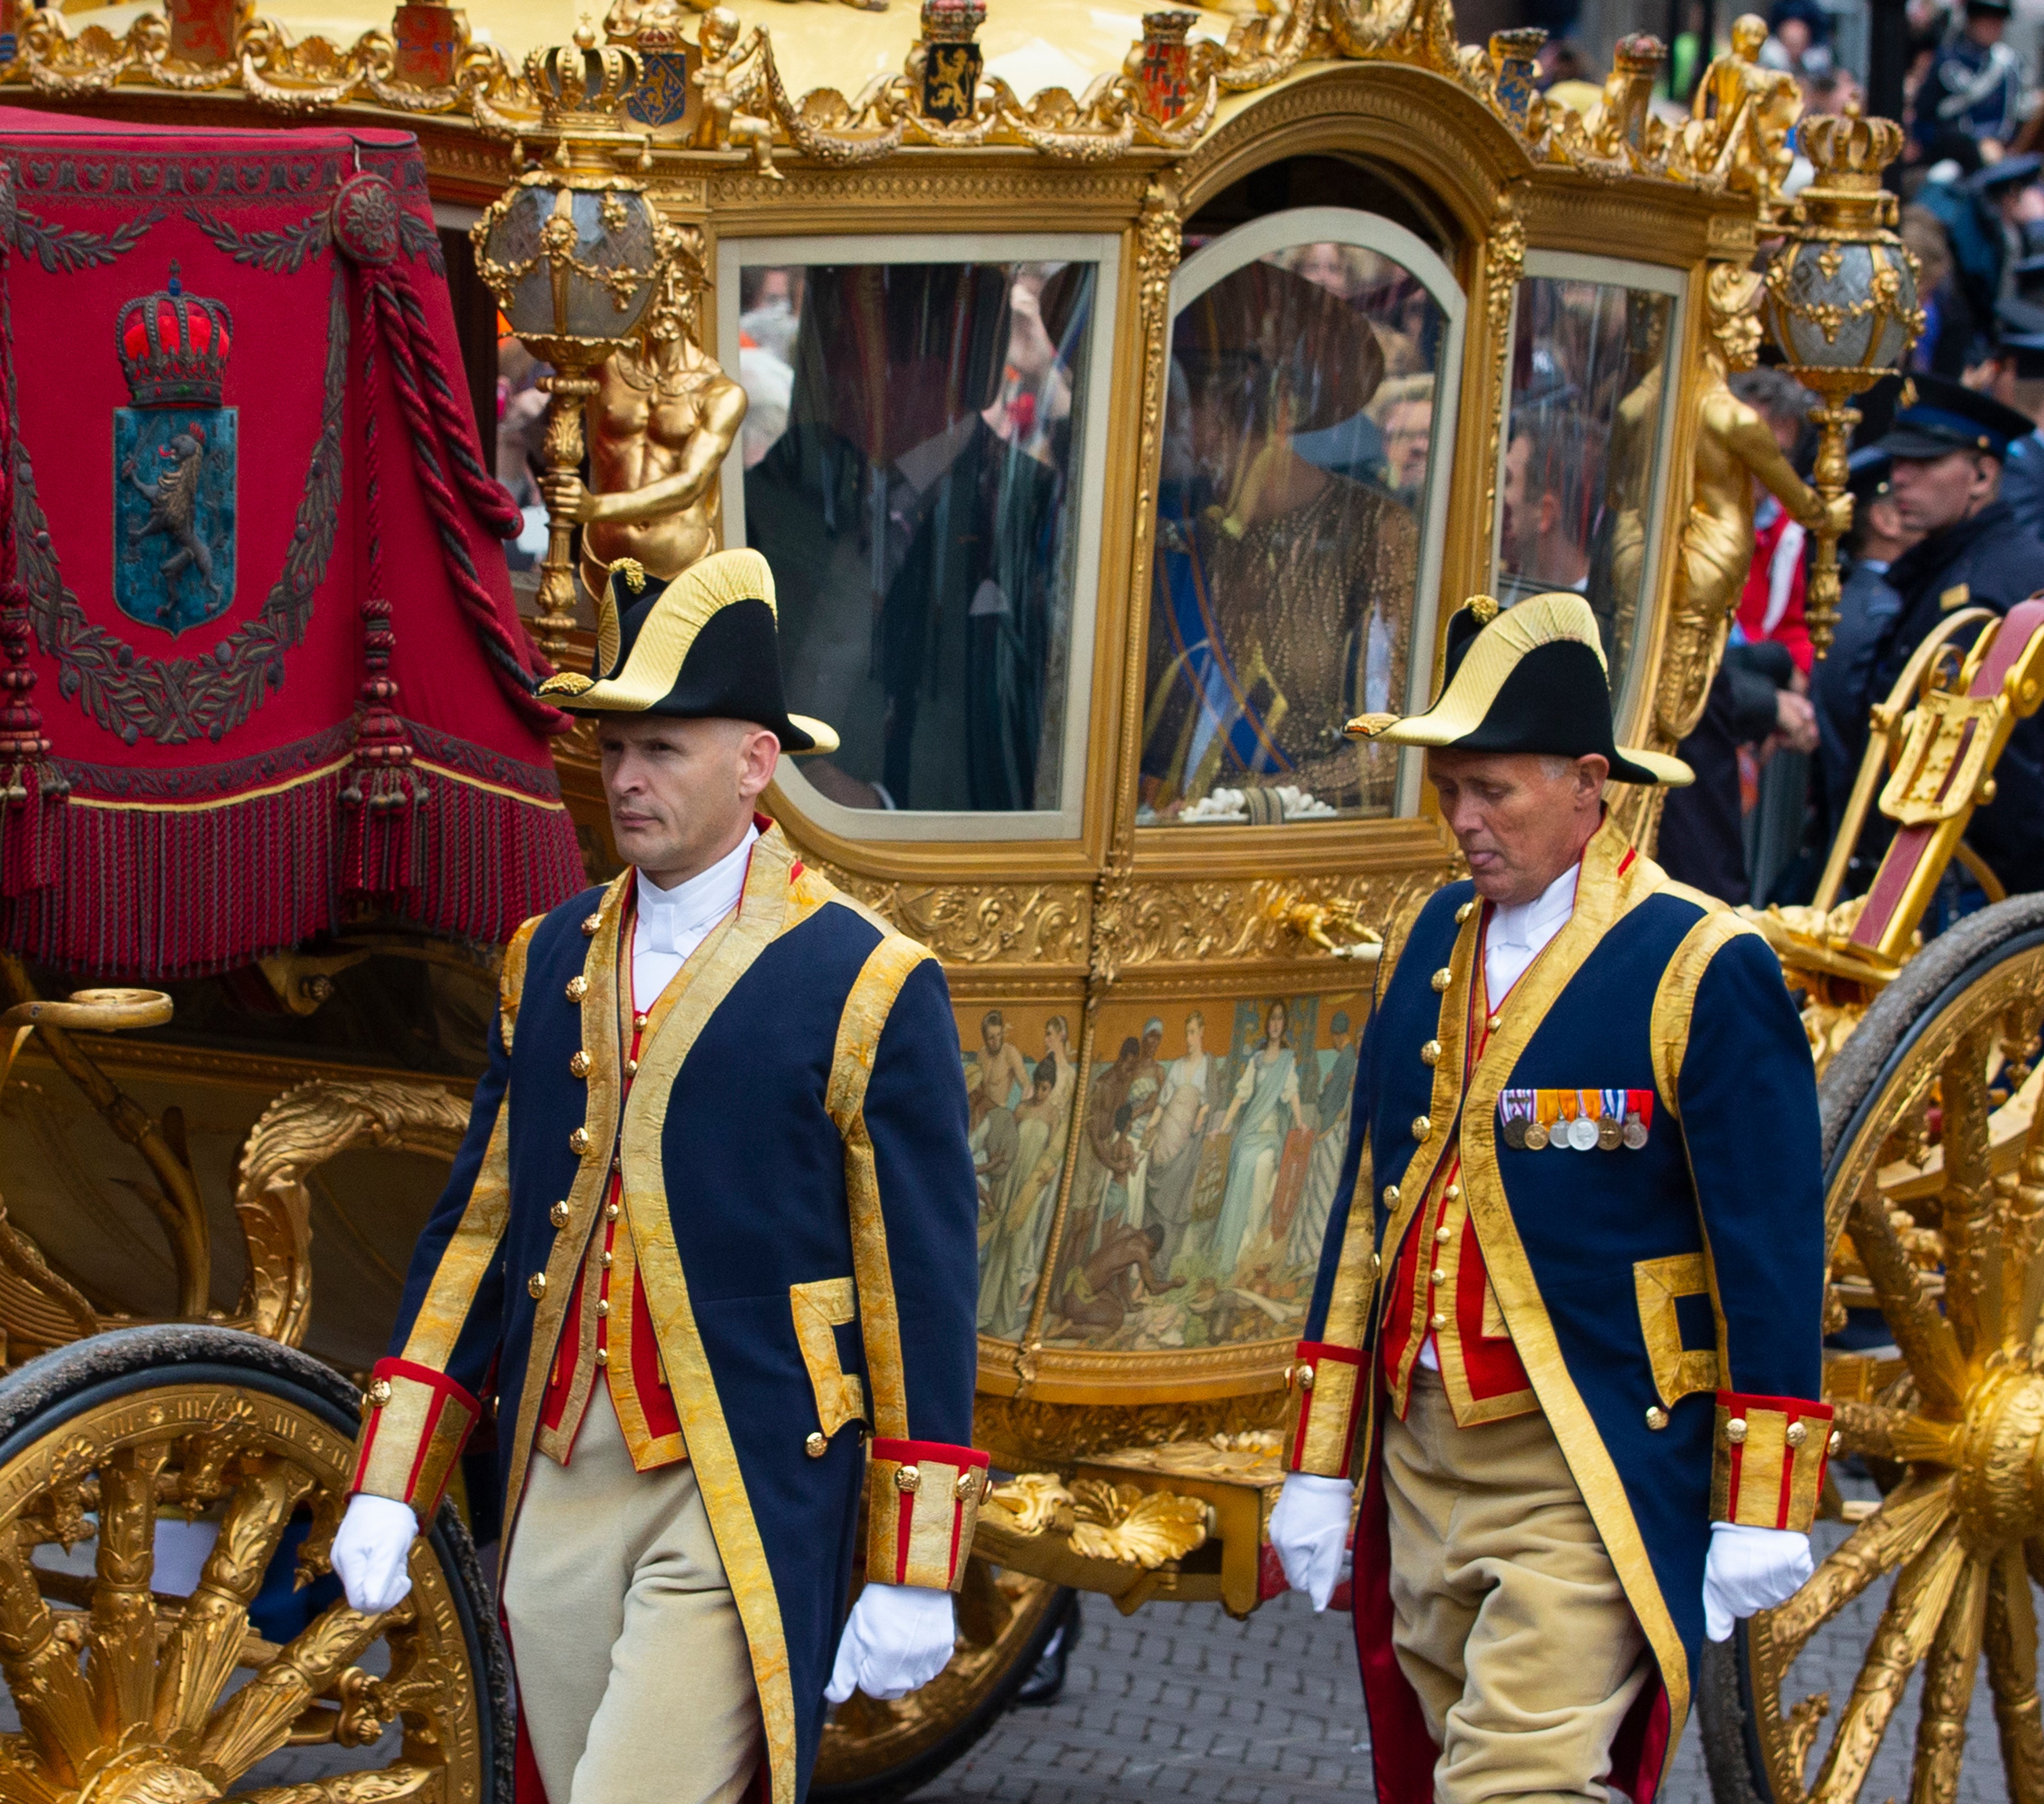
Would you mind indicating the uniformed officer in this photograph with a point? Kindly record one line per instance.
(1975, 86)
(1947, 451)
(714, 1216)
(1565, 1330)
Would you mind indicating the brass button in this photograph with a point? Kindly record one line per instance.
(578, 987)
(604, 1260)
(1796, 1435)
(610, 1212)
(815, 1446)
(908, 1478)
(966, 1482)
(1376, 1264)
(603, 1355)
(1735, 1429)
(1391, 1196)
(578, 1065)
(1838, 1442)
(1437, 1321)
(379, 1393)
(603, 1305)
(591, 923)
(1305, 1377)
(1656, 1417)
(1495, 1023)
(631, 1067)
(536, 1284)
(578, 1141)
(1453, 1193)
(1439, 1276)
(638, 1023)
(1442, 1236)
(1442, 978)
(1431, 1052)
(1422, 1126)
(1464, 912)
(560, 1213)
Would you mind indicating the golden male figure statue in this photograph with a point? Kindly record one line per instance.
(658, 428)
(1735, 447)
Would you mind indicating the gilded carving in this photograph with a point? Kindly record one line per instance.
(135, 1697)
(302, 1128)
(1156, 921)
(1020, 1429)
(978, 924)
(1504, 260)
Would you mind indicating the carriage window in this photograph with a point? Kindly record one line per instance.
(1589, 394)
(1307, 421)
(915, 457)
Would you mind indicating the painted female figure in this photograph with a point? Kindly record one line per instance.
(1264, 1108)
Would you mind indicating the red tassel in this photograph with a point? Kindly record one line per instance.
(384, 796)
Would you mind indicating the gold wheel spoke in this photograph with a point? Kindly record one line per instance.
(205, 1646)
(121, 1660)
(41, 1667)
(1915, 1609)
(1895, 1533)
(386, 1786)
(257, 1720)
(1871, 1428)
(2011, 1672)
(1948, 1688)
(1926, 1338)
(1973, 1248)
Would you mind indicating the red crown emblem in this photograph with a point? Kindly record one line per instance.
(174, 348)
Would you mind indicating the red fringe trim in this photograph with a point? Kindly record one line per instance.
(150, 893)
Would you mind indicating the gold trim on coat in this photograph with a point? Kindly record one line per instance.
(1675, 996)
(887, 968)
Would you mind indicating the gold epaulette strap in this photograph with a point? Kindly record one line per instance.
(1326, 1383)
(923, 1499)
(1768, 1466)
(416, 1423)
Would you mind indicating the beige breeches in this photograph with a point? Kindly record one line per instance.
(632, 1661)
(1508, 1619)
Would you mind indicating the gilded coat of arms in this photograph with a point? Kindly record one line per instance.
(174, 462)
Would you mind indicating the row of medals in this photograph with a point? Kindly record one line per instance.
(1581, 1135)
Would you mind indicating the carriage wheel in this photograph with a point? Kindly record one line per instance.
(873, 1753)
(126, 1694)
(1935, 1169)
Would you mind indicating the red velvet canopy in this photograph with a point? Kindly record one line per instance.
(259, 665)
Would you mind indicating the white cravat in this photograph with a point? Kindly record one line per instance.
(1517, 935)
(673, 923)
(1519, 930)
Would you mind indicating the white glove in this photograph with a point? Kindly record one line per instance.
(1309, 1530)
(370, 1549)
(899, 1636)
(1748, 1569)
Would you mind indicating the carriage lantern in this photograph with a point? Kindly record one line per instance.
(1841, 301)
(571, 251)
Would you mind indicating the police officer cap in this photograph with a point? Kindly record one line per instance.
(1866, 473)
(2010, 172)
(1993, 9)
(1946, 417)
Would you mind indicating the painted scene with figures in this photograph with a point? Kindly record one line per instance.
(1210, 1142)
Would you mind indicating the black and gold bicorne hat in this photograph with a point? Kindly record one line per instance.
(702, 646)
(1530, 678)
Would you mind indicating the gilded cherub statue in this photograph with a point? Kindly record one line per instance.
(1744, 113)
(1735, 446)
(659, 426)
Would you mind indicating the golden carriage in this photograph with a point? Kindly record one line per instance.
(1124, 401)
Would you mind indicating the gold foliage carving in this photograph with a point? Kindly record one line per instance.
(1022, 1430)
(979, 923)
(302, 1128)
(1137, 1527)
(1031, 1499)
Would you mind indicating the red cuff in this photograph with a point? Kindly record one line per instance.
(1327, 1382)
(1768, 1460)
(415, 1423)
(923, 1499)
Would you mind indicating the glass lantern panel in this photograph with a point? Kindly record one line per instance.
(1300, 433)
(1588, 377)
(913, 455)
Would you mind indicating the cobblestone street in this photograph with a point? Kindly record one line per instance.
(1177, 1701)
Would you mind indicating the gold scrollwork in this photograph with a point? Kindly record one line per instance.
(1123, 1523)
(979, 923)
(302, 1128)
